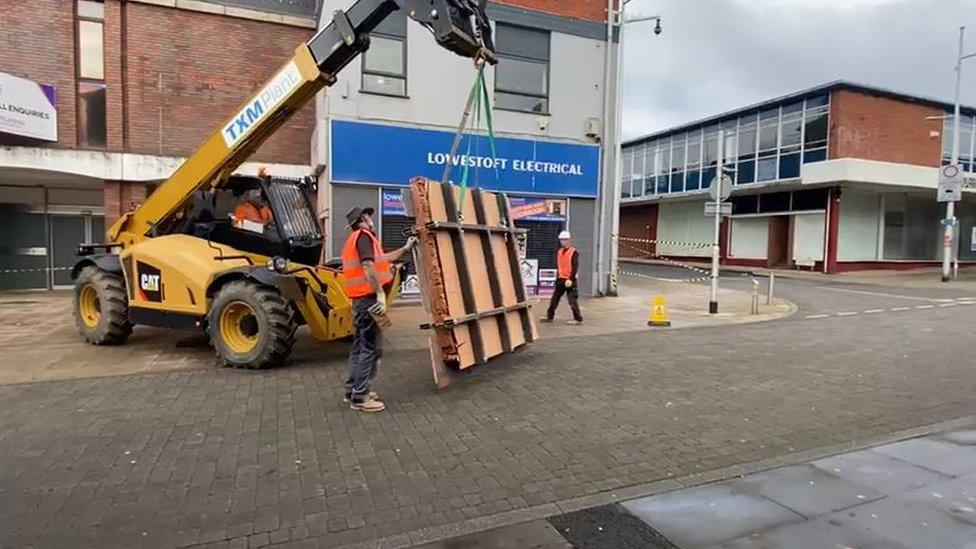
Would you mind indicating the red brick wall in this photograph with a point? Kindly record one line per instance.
(37, 42)
(206, 66)
(591, 10)
(878, 128)
(121, 197)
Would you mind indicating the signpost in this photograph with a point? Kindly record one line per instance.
(724, 208)
(950, 184)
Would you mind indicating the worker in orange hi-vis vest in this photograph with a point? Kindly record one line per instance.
(366, 268)
(567, 265)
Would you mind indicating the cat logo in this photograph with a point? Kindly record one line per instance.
(150, 282)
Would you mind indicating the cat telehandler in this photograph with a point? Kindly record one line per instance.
(182, 260)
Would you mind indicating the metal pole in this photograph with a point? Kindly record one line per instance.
(949, 237)
(618, 160)
(755, 297)
(713, 295)
(602, 237)
(769, 290)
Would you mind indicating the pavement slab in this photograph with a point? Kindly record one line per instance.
(835, 533)
(537, 534)
(704, 516)
(878, 471)
(943, 457)
(806, 489)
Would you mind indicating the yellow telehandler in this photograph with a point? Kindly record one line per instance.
(184, 260)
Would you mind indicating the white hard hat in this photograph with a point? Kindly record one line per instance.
(564, 235)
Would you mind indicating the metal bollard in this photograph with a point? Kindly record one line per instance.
(755, 296)
(769, 290)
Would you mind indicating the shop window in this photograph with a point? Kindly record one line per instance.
(746, 172)
(814, 156)
(385, 62)
(746, 204)
(774, 202)
(911, 227)
(90, 48)
(813, 199)
(815, 130)
(92, 131)
(522, 74)
(766, 170)
(662, 184)
(789, 166)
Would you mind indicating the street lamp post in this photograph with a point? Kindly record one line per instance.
(621, 21)
(948, 239)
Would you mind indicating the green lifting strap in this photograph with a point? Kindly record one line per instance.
(479, 92)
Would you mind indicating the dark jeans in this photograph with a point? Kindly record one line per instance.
(572, 295)
(367, 349)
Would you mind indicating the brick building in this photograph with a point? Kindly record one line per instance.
(392, 116)
(837, 178)
(132, 87)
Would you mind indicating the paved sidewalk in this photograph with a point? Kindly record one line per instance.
(41, 343)
(916, 493)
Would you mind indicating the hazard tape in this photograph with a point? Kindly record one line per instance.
(706, 275)
(664, 242)
(37, 270)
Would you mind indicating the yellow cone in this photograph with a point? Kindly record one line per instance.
(659, 315)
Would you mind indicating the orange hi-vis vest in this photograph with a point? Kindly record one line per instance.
(353, 271)
(564, 262)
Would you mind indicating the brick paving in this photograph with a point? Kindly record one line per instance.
(224, 458)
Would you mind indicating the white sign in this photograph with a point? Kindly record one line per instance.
(530, 272)
(522, 244)
(277, 90)
(950, 183)
(726, 188)
(725, 208)
(972, 241)
(410, 285)
(27, 108)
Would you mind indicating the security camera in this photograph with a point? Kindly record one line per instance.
(657, 27)
(543, 122)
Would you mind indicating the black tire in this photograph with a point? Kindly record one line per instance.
(109, 324)
(269, 325)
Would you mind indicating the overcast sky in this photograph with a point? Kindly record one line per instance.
(717, 55)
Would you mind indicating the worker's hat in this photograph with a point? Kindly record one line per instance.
(353, 215)
(564, 235)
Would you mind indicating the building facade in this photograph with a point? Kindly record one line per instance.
(838, 178)
(101, 100)
(393, 114)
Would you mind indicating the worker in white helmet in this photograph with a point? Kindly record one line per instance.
(567, 265)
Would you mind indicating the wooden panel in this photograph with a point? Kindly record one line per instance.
(470, 276)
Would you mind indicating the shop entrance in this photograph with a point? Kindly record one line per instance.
(779, 241)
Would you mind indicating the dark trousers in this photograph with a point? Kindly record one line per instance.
(367, 349)
(572, 295)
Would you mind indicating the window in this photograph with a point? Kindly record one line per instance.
(815, 130)
(90, 48)
(385, 62)
(522, 74)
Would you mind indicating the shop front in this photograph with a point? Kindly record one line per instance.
(551, 186)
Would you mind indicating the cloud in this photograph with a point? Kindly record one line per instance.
(718, 55)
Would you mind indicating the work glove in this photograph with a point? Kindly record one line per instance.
(379, 308)
(411, 243)
(569, 283)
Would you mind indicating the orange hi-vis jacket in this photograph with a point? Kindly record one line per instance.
(249, 212)
(352, 268)
(564, 262)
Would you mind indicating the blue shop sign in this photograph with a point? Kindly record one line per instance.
(378, 154)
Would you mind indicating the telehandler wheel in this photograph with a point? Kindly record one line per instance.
(100, 307)
(251, 325)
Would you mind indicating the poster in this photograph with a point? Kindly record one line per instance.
(530, 272)
(547, 282)
(392, 203)
(537, 209)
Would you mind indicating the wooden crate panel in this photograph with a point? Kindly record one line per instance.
(469, 275)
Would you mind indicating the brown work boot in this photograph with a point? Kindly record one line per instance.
(368, 405)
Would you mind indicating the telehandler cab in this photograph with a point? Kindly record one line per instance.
(179, 260)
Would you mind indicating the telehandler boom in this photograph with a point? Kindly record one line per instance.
(183, 260)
